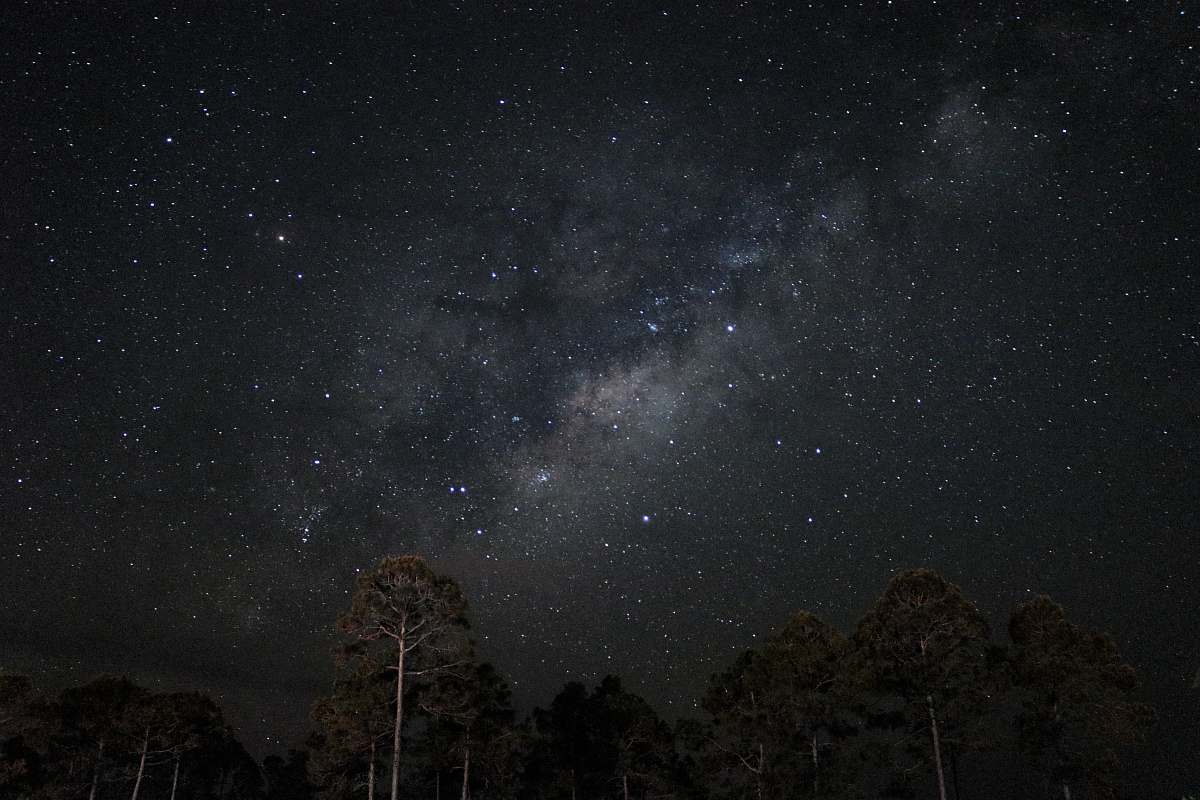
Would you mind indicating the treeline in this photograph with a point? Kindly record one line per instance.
(112, 738)
(918, 701)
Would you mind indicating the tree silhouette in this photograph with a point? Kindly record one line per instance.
(474, 704)
(639, 746)
(24, 727)
(560, 757)
(924, 643)
(803, 669)
(190, 722)
(1078, 705)
(735, 744)
(418, 617)
(287, 779)
(605, 743)
(101, 716)
(354, 723)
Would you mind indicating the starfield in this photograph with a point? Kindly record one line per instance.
(682, 343)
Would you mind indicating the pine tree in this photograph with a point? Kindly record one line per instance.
(803, 667)
(640, 746)
(418, 617)
(1078, 699)
(239, 776)
(560, 758)
(735, 747)
(101, 721)
(354, 723)
(925, 644)
(287, 779)
(190, 722)
(26, 721)
(473, 706)
(605, 743)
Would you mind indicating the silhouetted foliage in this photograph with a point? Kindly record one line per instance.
(23, 734)
(1077, 697)
(888, 712)
(469, 710)
(355, 724)
(417, 619)
(809, 698)
(111, 739)
(609, 743)
(779, 718)
(924, 649)
(287, 779)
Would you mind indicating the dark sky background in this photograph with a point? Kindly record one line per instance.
(647, 323)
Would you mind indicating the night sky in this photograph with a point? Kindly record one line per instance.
(649, 324)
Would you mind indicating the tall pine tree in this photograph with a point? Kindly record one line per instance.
(418, 618)
(926, 645)
(1078, 699)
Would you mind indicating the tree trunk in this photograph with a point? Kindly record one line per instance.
(466, 770)
(954, 770)
(399, 720)
(1066, 788)
(371, 772)
(175, 777)
(816, 768)
(761, 769)
(137, 785)
(937, 748)
(625, 785)
(96, 771)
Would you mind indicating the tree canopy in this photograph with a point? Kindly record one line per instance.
(918, 701)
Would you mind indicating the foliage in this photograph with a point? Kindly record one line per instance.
(411, 619)
(809, 713)
(354, 724)
(1078, 699)
(607, 743)
(780, 717)
(471, 728)
(925, 662)
(96, 739)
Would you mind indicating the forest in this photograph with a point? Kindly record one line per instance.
(919, 700)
